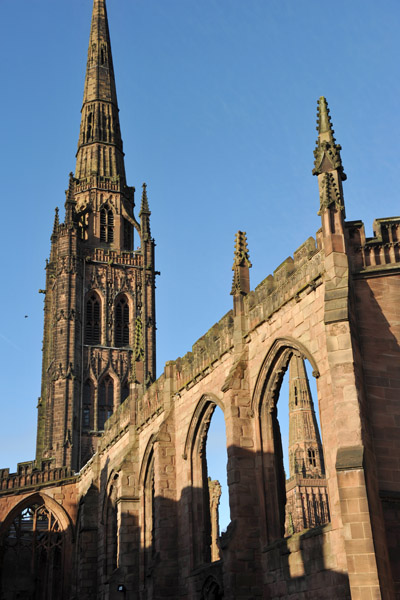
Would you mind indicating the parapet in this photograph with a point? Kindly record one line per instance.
(382, 251)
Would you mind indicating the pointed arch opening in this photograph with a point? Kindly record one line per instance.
(122, 322)
(111, 527)
(93, 319)
(293, 469)
(32, 551)
(106, 225)
(147, 541)
(203, 444)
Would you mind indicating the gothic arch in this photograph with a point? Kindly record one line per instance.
(212, 589)
(203, 411)
(33, 564)
(123, 313)
(109, 520)
(40, 498)
(146, 458)
(107, 222)
(94, 303)
(106, 398)
(198, 493)
(272, 482)
(273, 367)
(147, 508)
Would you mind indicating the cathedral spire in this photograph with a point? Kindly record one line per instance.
(100, 150)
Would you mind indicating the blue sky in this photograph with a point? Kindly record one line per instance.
(217, 106)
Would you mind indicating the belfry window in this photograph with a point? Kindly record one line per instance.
(106, 401)
(122, 322)
(92, 324)
(106, 225)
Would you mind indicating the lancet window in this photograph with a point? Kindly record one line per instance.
(106, 225)
(122, 322)
(106, 401)
(93, 320)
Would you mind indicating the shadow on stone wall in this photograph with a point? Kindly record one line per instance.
(379, 360)
(111, 564)
(177, 563)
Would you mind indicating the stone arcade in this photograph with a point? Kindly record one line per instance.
(117, 503)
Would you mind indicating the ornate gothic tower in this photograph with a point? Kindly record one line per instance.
(305, 448)
(99, 330)
(306, 491)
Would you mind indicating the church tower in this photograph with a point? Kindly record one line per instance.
(306, 489)
(99, 329)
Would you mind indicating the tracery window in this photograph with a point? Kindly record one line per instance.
(106, 225)
(106, 401)
(32, 555)
(122, 322)
(92, 324)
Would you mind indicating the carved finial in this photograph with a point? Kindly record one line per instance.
(241, 265)
(144, 208)
(324, 120)
(241, 254)
(56, 221)
(327, 152)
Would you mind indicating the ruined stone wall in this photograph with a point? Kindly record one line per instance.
(138, 509)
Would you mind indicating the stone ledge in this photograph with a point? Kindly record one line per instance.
(350, 457)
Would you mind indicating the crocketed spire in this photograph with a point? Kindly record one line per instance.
(241, 265)
(100, 150)
(327, 152)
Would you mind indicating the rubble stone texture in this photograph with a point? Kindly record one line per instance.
(118, 503)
